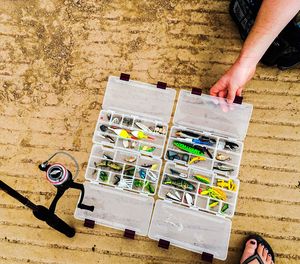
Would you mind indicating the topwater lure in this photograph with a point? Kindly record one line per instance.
(141, 135)
(196, 150)
(179, 183)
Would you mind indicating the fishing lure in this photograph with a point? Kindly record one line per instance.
(107, 157)
(125, 183)
(147, 148)
(177, 173)
(121, 133)
(103, 176)
(196, 159)
(189, 199)
(230, 185)
(129, 170)
(222, 157)
(186, 134)
(110, 164)
(201, 178)
(214, 193)
(103, 128)
(142, 127)
(149, 187)
(197, 141)
(179, 183)
(222, 167)
(231, 146)
(213, 204)
(109, 138)
(224, 208)
(196, 150)
(152, 175)
(138, 183)
(142, 173)
(130, 159)
(160, 130)
(141, 135)
(174, 196)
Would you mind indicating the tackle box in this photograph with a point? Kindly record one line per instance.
(124, 166)
(199, 186)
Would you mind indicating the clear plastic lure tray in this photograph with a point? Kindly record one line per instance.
(123, 169)
(196, 182)
(217, 153)
(111, 122)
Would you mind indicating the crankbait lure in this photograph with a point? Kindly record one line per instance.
(174, 196)
(142, 173)
(109, 138)
(187, 134)
(231, 146)
(141, 135)
(222, 157)
(201, 178)
(147, 148)
(230, 185)
(196, 150)
(179, 183)
(129, 170)
(197, 141)
(222, 167)
(109, 164)
(196, 159)
(177, 173)
(138, 183)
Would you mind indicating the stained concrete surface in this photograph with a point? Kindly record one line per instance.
(55, 58)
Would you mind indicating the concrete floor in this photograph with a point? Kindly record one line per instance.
(55, 58)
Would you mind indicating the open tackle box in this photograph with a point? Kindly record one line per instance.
(125, 162)
(199, 187)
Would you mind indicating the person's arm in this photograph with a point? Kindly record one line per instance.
(272, 17)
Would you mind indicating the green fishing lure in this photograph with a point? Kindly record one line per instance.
(179, 183)
(198, 151)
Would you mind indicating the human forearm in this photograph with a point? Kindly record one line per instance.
(273, 16)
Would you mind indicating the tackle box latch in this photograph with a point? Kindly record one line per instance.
(89, 223)
(207, 257)
(161, 85)
(129, 233)
(124, 77)
(238, 99)
(196, 91)
(164, 243)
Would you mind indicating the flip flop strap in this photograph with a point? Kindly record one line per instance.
(254, 257)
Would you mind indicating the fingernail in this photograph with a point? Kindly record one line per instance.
(252, 242)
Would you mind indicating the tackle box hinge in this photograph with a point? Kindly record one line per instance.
(196, 91)
(129, 233)
(161, 85)
(89, 223)
(207, 257)
(238, 99)
(124, 77)
(164, 243)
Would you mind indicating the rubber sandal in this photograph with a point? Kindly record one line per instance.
(262, 241)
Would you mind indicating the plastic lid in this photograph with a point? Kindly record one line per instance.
(190, 229)
(116, 208)
(205, 113)
(139, 98)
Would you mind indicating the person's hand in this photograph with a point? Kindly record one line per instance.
(233, 81)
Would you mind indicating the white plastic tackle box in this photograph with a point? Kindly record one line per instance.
(124, 167)
(191, 218)
(194, 225)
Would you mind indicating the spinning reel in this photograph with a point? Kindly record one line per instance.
(62, 179)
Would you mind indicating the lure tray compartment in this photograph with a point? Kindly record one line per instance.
(204, 224)
(122, 191)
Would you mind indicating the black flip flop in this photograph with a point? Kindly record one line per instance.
(259, 240)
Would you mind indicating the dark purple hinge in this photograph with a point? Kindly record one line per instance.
(129, 233)
(164, 243)
(125, 77)
(207, 257)
(238, 99)
(161, 85)
(197, 91)
(89, 223)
